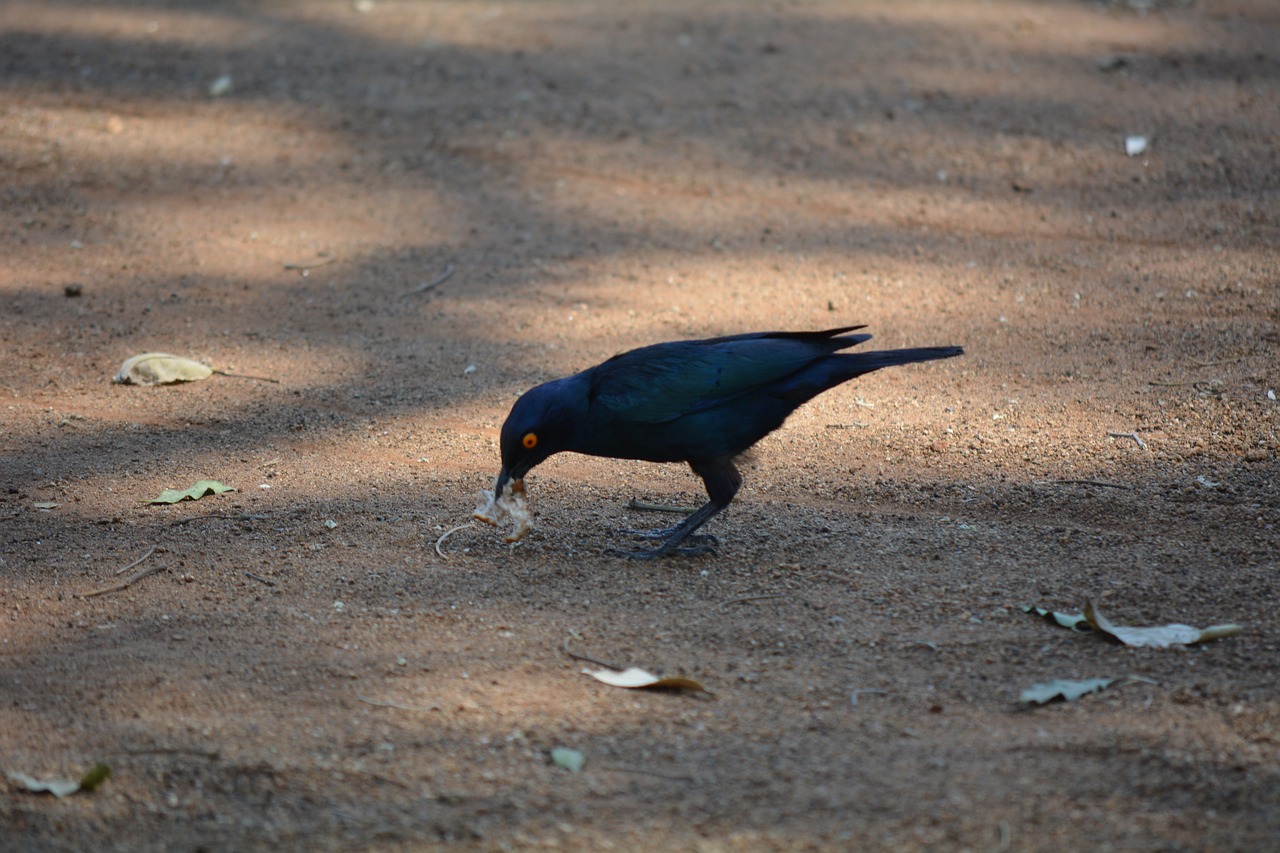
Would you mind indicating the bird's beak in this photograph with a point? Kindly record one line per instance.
(503, 477)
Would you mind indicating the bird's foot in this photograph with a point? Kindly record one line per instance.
(663, 551)
(680, 539)
(668, 532)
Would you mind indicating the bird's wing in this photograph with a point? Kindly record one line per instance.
(661, 383)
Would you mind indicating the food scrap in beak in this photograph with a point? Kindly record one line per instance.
(497, 508)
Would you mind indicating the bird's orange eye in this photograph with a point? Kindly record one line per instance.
(530, 440)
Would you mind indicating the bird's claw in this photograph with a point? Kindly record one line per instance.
(655, 553)
(666, 533)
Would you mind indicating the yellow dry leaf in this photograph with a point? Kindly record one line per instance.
(160, 368)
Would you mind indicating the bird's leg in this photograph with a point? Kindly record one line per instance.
(661, 532)
(667, 532)
(673, 536)
(722, 481)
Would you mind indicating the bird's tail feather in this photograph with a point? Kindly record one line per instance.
(826, 373)
(856, 364)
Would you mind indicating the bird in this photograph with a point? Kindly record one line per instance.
(701, 402)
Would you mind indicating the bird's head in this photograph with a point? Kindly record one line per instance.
(542, 422)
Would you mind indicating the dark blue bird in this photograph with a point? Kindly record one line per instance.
(700, 402)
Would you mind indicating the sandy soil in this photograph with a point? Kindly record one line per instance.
(306, 672)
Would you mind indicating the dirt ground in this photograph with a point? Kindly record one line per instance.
(407, 213)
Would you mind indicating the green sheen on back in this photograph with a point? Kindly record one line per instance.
(661, 383)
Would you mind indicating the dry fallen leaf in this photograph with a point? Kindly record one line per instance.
(509, 505)
(1074, 621)
(1039, 694)
(160, 368)
(635, 677)
(195, 493)
(92, 778)
(57, 787)
(1159, 637)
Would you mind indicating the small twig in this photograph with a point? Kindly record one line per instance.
(1139, 679)
(305, 269)
(1137, 438)
(434, 283)
(183, 521)
(667, 776)
(445, 535)
(853, 425)
(589, 659)
(212, 755)
(379, 777)
(247, 376)
(645, 506)
(380, 704)
(1100, 483)
(259, 578)
(132, 579)
(1199, 384)
(749, 598)
(121, 571)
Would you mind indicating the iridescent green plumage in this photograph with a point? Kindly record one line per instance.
(701, 402)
